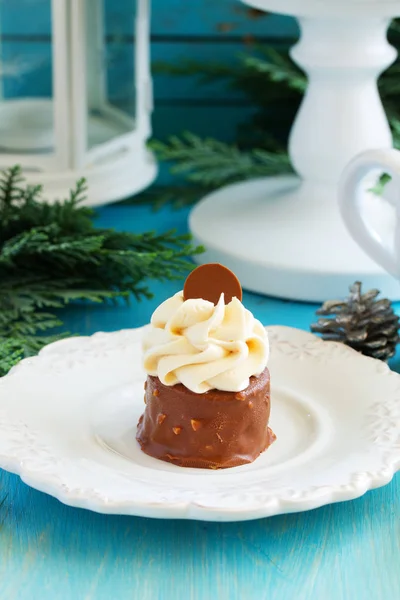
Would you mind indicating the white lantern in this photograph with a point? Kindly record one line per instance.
(84, 129)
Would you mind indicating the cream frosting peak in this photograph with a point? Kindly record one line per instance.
(205, 346)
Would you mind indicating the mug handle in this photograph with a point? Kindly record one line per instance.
(384, 160)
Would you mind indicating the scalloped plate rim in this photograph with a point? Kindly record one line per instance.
(192, 509)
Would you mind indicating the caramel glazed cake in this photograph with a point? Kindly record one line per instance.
(207, 393)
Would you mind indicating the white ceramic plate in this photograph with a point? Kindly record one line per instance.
(68, 421)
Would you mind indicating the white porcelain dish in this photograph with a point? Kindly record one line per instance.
(68, 420)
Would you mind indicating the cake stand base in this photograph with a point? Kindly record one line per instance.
(285, 238)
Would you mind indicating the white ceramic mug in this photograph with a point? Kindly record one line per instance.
(353, 208)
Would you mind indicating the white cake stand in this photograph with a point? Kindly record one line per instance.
(283, 236)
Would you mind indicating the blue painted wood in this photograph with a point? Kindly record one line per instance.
(182, 104)
(177, 17)
(30, 69)
(201, 30)
(25, 17)
(184, 87)
(347, 551)
(208, 17)
(219, 122)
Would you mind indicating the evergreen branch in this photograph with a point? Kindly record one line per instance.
(12, 350)
(379, 188)
(395, 127)
(265, 61)
(10, 354)
(10, 190)
(264, 76)
(380, 185)
(52, 255)
(207, 72)
(178, 196)
(278, 68)
(269, 79)
(213, 163)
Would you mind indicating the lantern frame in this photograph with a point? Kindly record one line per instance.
(115, 168)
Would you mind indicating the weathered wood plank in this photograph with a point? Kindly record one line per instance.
(181, 102)
(221, 17)
(169, 17)
(29, 68)
(219, 122)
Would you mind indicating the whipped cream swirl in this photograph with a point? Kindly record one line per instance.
(205, 346)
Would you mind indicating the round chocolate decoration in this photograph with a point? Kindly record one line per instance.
(210, 281)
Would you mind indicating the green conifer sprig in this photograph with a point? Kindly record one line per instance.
(51, 254)
(274, 86)
(213, 163)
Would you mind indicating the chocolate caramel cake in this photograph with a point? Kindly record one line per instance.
(219, 430)
(207, 394)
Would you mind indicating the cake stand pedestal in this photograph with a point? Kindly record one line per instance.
(284, 236)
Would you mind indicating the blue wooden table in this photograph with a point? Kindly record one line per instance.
(347, 551)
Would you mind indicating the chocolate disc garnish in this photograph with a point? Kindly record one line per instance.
(210, 281)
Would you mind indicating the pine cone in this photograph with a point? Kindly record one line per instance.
(368, 325)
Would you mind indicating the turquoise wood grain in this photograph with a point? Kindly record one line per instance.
(347, 551)
(183, 87)
(201, 30)
(209, 17)
(28, 69)
(29, 64)
(25, 17)
(219, 122)
(206, 110)
(341, 552)
(177, 17)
